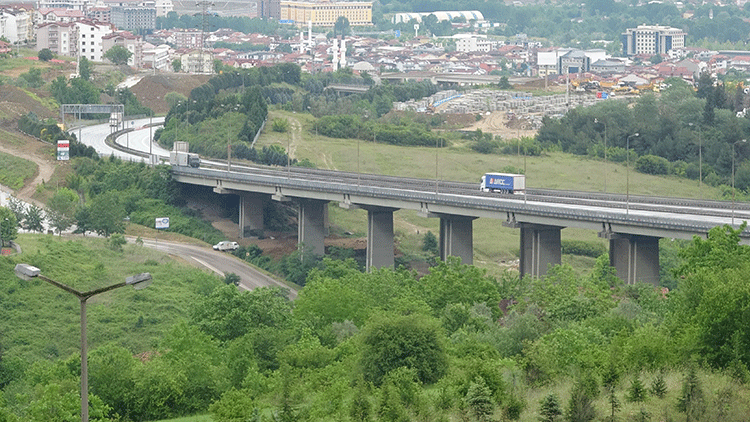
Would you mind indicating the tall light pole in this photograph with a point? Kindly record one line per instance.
(605, 152)
(140, 281)
(437, 148)
(627, 177)
(733, 191)
(700, 156)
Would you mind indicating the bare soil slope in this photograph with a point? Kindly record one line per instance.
(152, 89)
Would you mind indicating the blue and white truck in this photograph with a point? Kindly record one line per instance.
(503, 183)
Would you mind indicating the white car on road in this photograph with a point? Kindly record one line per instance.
(226, 245)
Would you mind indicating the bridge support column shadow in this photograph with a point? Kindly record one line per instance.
(457, 238)
(540, 247)
(311, 227)
(379, 237)
(635, 257)
(251, 212)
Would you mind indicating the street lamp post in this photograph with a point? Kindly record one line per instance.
(140, 281)
(627, 177)
(700, 157)
(605, 152)
(733, 191)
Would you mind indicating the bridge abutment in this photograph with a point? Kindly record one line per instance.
(457, 238)
(635, 257)
(379, 237)
(540, 246)
(311, 225)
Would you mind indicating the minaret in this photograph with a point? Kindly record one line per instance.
(343, 52)
(309, 34)
(335, 50)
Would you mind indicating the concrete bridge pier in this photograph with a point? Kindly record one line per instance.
(635, 257)
(251, 212)
(311, 227)
(540, 246)
(457, 238)
(379, 237)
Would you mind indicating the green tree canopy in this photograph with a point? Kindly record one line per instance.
(118, 55)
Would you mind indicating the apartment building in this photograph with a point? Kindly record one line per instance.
(90, 36)
(652, 39)
(325, 13)
(60, 37)
(187, 38)
(133, 43)
(133, 17)
(16, 24)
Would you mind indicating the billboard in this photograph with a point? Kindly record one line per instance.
(63, 150)
(162, 223)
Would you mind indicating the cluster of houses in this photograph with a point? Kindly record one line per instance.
(89, 30)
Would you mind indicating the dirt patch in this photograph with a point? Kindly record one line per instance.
(152, 89)
(15, 103)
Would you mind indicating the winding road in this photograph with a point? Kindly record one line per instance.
(220, 263)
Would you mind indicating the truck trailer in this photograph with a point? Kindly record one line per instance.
(179, 156)
(503, 183)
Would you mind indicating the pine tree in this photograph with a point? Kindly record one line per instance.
(550, 408)
(637, 391)
(691, 401)
(659, 386)
(479, 399)
(581, 404)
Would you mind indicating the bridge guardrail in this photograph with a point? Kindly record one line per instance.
(490, 204)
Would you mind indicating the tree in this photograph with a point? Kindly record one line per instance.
(479, 400)
(85, 68)
(118, 55)
(581, 405)
(107, 214)
(637, 391)
(691, 401)
(549, 408)
(61, 208)
(16, 206)
(83, 220)
(8, 226)
(176, 65)
(34, 219)
(341, 27)
(46, 55)
(412, 341)
(430, 243)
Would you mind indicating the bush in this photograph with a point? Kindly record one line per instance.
(583, 248)
(280, 125)
(651, 164)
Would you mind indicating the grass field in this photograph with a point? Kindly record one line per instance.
(495, 247)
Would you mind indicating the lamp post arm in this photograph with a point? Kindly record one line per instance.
(79, 295)
(103, 289)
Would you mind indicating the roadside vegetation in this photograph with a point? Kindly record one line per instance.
(448, 343)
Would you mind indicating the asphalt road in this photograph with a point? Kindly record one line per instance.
(220, 263)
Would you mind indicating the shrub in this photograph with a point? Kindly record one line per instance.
(651, 164)
(583, 248)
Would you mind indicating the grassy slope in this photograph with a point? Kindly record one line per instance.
(494, 246)
(45, 320)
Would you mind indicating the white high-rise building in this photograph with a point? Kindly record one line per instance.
(652, 39)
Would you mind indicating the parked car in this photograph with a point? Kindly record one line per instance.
(226, 245)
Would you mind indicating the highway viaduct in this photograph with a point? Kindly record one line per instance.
(633, 228)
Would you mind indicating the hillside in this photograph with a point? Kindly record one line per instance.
(151, 89)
